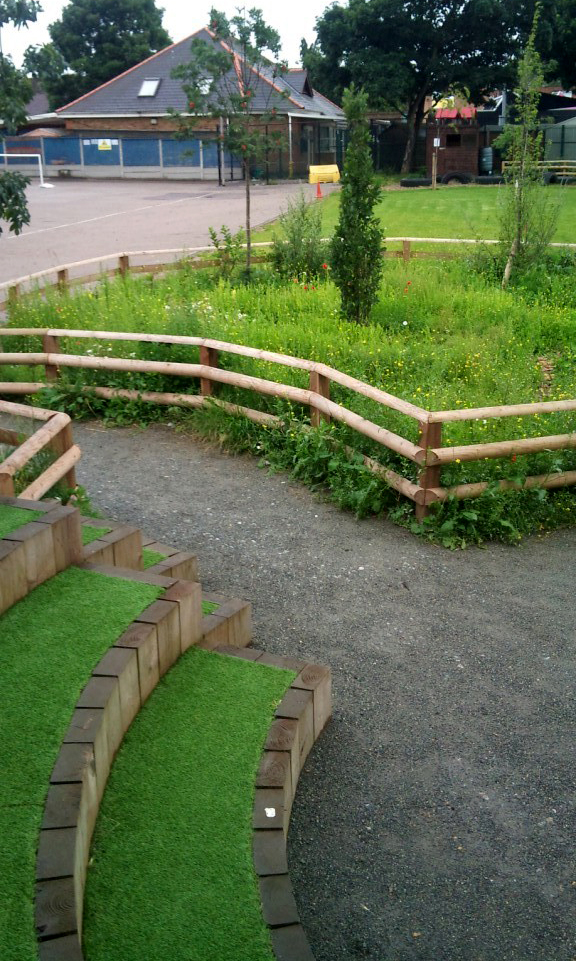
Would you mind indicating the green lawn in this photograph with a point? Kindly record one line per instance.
(49, 643)
(459, 212)
(171, 872)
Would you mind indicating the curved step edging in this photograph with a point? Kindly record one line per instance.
(119, 685)
(300, 719)
(38, 550)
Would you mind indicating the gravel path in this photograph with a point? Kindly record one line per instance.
(435, 818)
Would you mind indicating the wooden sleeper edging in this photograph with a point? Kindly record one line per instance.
(300, 718)
(37, 551)
(119, 685)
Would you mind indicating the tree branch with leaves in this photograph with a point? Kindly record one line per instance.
(529, 213)
(231, 78)
(15, 92)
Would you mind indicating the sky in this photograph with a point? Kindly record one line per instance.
(292, 20)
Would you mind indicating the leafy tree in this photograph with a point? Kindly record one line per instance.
(47, 64)
(96, 40)
(563, 52)
(356, 257)
(405, 51)
(300, 252)
(15, 92)
(229, 72)
(529, 214)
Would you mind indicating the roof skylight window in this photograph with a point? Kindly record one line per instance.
(149, 88)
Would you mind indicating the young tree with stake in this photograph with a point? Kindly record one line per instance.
(529, 213)
(226, 76)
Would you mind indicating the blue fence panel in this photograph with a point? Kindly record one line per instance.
(210, 151)
(101, 151)
(62, 150)
(141, 153)
(181, 153)
(13, 145)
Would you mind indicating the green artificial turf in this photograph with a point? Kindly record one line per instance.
(90, 534)
(49, 643)
(11, 518)
(208, 607)
(171, 872)
(149, 557)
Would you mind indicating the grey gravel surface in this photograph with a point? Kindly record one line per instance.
(80, 219)
(435, 817)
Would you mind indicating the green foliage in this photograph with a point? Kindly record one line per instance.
(404, 52)
(528, 216)
(15, 92)
(441, 336)
(46, 64)
(563, 52)
(230, 249)
(13, 206)
(299, 250)
(223, 78)
(356, 257)
(97, 40)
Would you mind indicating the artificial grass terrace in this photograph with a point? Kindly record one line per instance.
(49, 643)
(171, 872)
(11, 518)
(90, 534)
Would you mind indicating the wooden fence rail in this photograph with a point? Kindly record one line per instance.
(55, 434)
(429, 453)
(159, 261)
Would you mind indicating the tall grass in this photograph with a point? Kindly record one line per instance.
(443, 336)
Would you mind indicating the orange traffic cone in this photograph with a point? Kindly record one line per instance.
(318, 191)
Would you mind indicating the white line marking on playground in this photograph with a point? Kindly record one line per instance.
(117, 213)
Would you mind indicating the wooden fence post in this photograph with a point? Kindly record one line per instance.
(406, 250)
(6, 484)
(51, 345)
(62, 279)
(320, 384)
(430, 436)
(61, 443)
(123, 264)
(13, 294)
(209, 358)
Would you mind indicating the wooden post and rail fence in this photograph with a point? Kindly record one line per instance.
(428, 453)
(159, 261)
(55, 435)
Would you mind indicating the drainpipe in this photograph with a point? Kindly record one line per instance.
(290, 157)
(221, 179)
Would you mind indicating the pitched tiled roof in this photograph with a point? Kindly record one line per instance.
(119, 97)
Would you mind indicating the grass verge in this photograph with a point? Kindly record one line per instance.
(173, 838)
(49, 643)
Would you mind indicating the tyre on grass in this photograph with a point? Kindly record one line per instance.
(457, 177)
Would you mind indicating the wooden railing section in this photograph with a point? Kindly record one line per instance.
(429, 453)
(561, 168)
(55, 434)
(85, 272)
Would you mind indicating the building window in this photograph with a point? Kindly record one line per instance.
(327, 139)
(149, 88)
